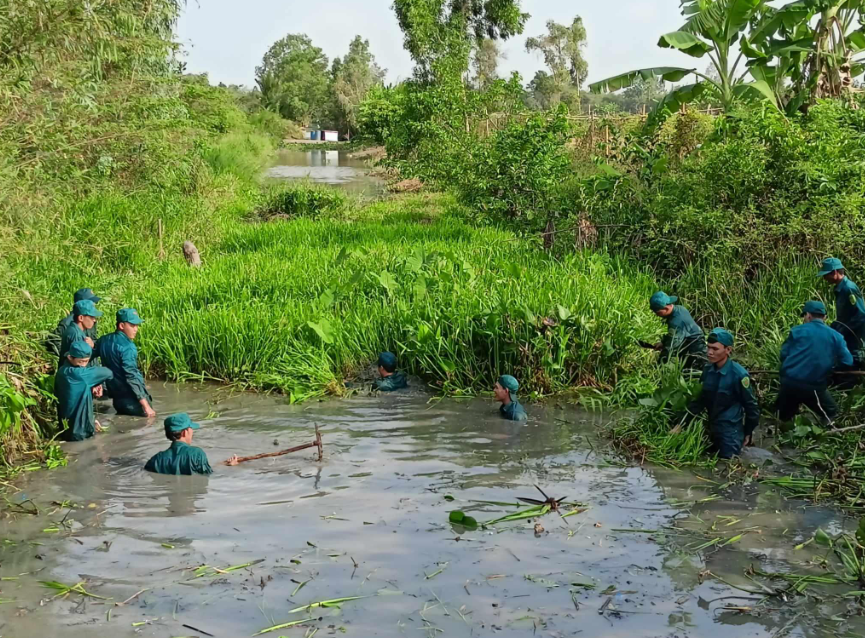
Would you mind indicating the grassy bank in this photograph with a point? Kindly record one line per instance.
(301, 301)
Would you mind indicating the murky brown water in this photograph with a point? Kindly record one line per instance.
(336, 168)
(372, 521)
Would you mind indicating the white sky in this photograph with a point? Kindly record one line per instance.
(227, 38)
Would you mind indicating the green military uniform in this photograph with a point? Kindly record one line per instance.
(54, 338)
(684, 338)
(808, 357)
(396, 380)
(181, 458)
(73, 387)
(513, 411)
(728, 399)
(849, 309)
(119, 354)
(74, 333)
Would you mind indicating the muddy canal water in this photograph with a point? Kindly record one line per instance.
(335, 168)
(371, 521)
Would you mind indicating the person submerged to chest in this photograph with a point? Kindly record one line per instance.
(181, 458)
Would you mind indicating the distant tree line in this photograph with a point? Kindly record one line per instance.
(296, 80)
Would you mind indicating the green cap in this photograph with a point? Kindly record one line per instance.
(509, 383)
(180, 422)
(129, 315)
(80, 350)
(830, 264)
(722, 336)
(661, 300)
(387, 360)
(85, 293)
(814, 308)
(86, 308)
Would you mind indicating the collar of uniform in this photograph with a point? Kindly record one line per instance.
(723, 369)
(673, 314)
(841, 284)
(120, 333)
(178, 444)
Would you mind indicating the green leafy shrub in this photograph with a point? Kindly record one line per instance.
(301, 200)
(517, 173)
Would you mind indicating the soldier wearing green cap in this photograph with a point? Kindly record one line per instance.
(808, 357)
(849, 307)
(684, 339)
(52, 341)
(505, 392)
(727, 398)
(118, 353)
(73, 387)
(84, 316)
(391, 378)
(181, 458)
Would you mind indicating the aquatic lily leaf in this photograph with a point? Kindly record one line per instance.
(424, 333)
(343, 253)
(456, 516)
(649, 402)
(387, 281)
(420, 288)
(448, 366)
(822, 538)
(801, 431)
(326, 298)
(414, 263)
(323, 329)
(448, 497)
(564, 313)
(469, 522)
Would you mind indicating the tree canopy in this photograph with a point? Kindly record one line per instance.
(353, 78)
(293, 79)
(562, 49)
(440, 34)
(485, 63)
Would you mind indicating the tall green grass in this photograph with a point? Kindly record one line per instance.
(301, 304)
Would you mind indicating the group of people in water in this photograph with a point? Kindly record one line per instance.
(811, 354)
(79, 380)
(811, 358)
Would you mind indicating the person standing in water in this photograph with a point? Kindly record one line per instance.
(684, 338)
(84, 316)
(181, 458)
(391, 378)
(52, 341)
(727, 398)
(119, 354)
(505, 391)
(73, 387)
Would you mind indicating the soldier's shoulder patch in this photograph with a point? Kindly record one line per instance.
(852, 299)
(746, 382)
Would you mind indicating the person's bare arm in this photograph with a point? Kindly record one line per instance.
(232, 460)
(148, 411)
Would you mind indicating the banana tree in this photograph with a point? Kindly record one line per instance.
(712, 28)
(808, 49)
